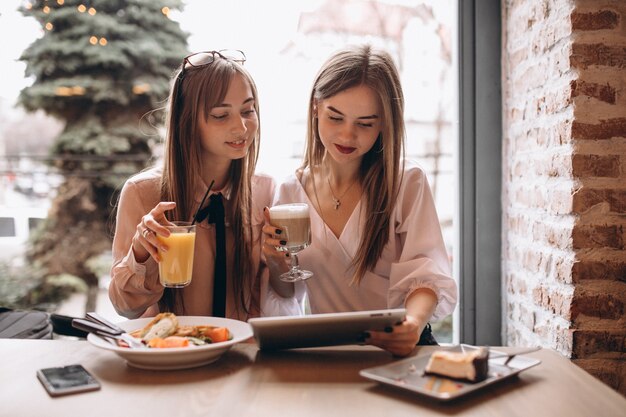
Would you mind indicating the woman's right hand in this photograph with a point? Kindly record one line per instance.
(276, 260)
(271, 240)
(145, 241)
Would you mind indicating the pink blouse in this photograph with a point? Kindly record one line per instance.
(135, 289)
(415, 256)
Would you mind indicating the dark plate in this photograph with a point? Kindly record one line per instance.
(408, 374)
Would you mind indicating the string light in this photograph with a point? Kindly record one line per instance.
(91, 11)
(141, 88)
(46, 9)
(63, 91)
(28, 6)
(166, 11)
(60, 2)
(82, 8)
(95, 41)
(70, 91)
(49, 26)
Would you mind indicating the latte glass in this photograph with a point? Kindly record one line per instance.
(295, 223)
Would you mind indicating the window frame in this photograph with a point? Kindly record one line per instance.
(478, 261)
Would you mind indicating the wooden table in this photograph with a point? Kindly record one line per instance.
(311, 382)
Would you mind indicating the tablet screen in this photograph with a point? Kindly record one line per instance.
(330, 329)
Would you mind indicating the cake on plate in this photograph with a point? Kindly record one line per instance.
(469, 366)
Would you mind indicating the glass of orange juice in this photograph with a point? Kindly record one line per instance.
(176, 264)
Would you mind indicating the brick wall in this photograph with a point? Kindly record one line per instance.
(564, 180)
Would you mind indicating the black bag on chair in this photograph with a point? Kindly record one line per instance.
(16, 324)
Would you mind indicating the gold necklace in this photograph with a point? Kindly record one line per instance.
(337, 200)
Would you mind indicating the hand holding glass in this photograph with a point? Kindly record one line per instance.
(176, 266)
(295, 222)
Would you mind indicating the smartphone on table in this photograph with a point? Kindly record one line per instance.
(69, 379)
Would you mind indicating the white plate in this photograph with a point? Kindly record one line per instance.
(177, 358)
(408, 374)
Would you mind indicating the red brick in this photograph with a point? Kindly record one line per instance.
(603, 19)
(613, 270)
(594, 304)
(610, 371)
(564, 200)
(596, 166)
(606, 129)
(587, 197)
(593, 343)
(597, 54)
(598, 236)
(602, 92)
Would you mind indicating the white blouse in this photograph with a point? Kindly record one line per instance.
(415, 256)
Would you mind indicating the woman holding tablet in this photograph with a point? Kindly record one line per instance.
(376, 240)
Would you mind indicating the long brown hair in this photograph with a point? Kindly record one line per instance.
(381, 169)
(194, 93)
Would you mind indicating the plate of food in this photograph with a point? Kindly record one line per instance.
(176, 342)
(450, 373)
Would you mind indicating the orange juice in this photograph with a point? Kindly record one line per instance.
(176, 266)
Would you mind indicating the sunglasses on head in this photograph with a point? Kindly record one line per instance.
(200, 59)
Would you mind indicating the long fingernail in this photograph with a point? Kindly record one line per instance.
(283, 242)
(278, 231)
(388, 329)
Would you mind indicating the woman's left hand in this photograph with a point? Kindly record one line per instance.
(399, 339)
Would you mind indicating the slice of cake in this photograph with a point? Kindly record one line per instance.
(470, 366)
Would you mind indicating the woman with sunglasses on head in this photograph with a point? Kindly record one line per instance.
(376, 238)
(212, 139)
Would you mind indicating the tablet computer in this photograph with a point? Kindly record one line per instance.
(329, 329)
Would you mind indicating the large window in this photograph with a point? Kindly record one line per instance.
(286, 48)
(286, 43)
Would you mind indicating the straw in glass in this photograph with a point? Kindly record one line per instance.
(202, 202)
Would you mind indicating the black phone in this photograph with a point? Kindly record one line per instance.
(69, 379)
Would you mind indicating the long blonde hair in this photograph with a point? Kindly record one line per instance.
(382, 166)
(193, 95)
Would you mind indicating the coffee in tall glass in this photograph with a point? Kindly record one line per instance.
(295, 223)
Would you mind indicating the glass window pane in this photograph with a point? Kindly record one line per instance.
(7, 227)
